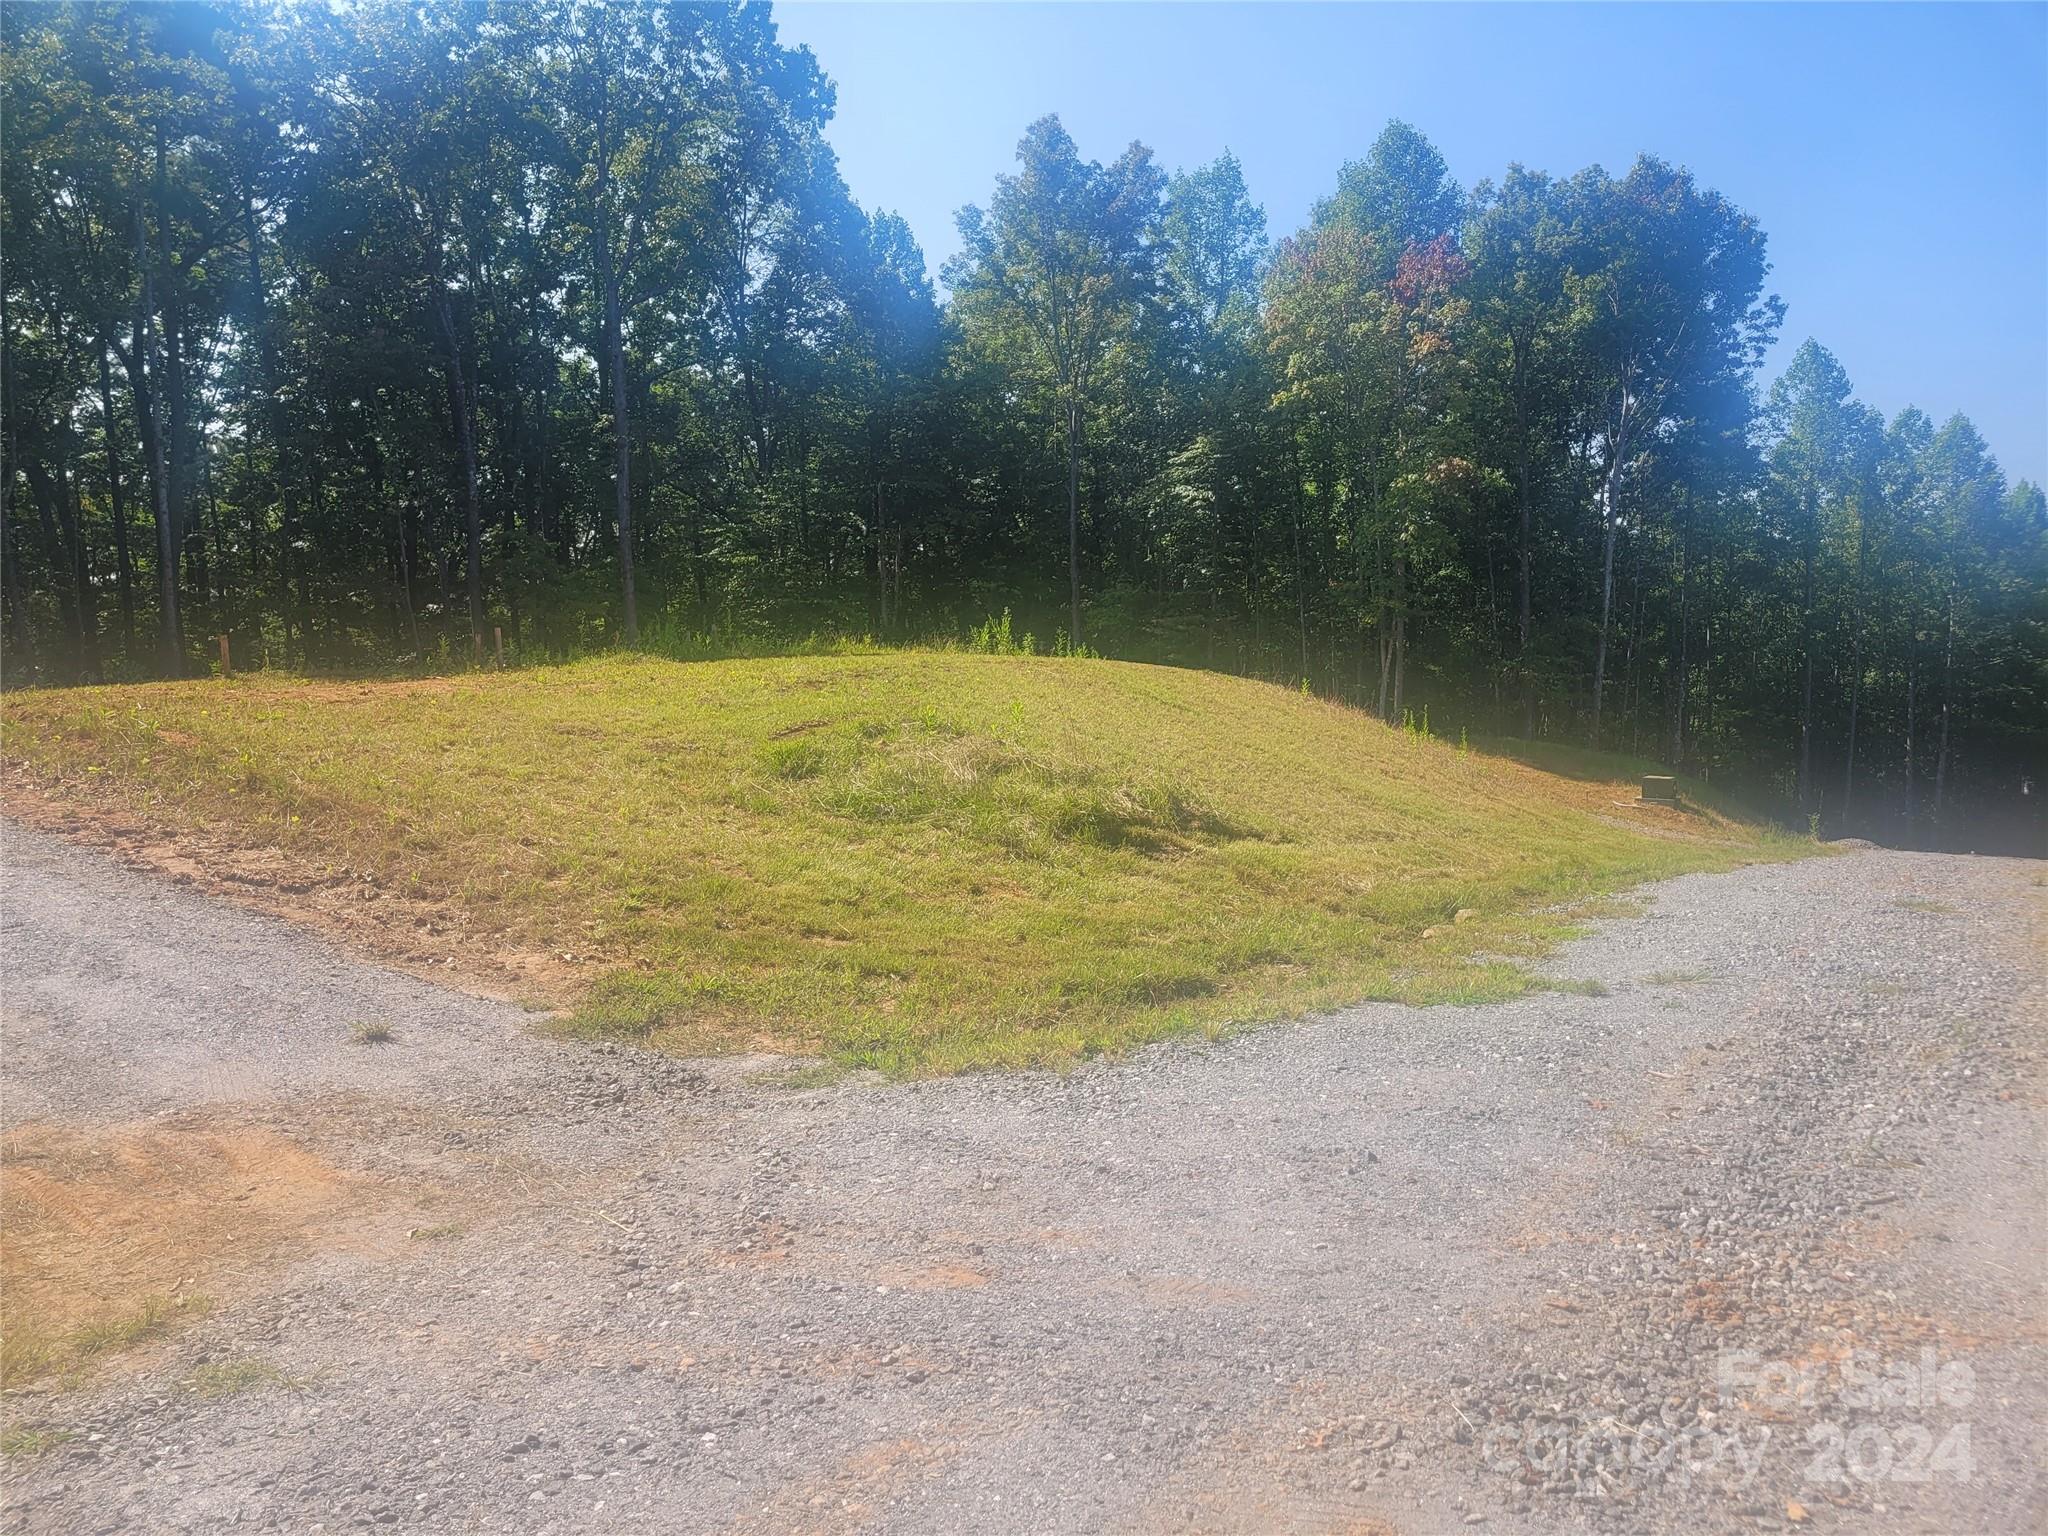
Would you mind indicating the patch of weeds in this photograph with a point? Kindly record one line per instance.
(1885, 988)
(792, 759)
(993, 637)
(1679, 978)
(1144, 816)
(26, 1353)
(1922, 904)
(436, 1232)
(370, 1032)
(636, 1005)
(124, 1330)
(27, 1440)
(230, 1378)
(817, 1074)
(1572, 985)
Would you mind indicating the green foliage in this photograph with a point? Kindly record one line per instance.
(992, 638)
(232, 1378)
(1067, 650)
(23, 1440)
(28, 1353)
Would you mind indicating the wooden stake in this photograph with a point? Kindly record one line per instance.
(227, 667)
(498, 636)
(476, 647)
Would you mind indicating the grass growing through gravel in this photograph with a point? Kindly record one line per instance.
(231, 1378)
(369, 1032)
(32, 1440)
(1686, 977)
(28, 1353)
(913, 861)
(1573, 986)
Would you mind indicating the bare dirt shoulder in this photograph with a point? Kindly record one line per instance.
(422, 935)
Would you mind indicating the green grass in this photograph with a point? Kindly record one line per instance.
(30, 1440)
(231, 1378)
(1570, 985)
(799, 1079)
(1922, 904)
(28, 1353)
(919, 862)
(1606, 907)
(1686, 977)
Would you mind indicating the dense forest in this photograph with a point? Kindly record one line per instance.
(359, 331)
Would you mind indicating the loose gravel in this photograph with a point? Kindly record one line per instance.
(1711, 1250)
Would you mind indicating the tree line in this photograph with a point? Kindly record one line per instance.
(357, 331)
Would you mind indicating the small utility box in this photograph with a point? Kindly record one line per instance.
(1660, 788)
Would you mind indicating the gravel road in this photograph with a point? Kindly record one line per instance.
(1750, 1239)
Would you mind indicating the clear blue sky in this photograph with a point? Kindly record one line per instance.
(1897, 155)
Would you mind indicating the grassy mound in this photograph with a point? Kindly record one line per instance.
(921, 862)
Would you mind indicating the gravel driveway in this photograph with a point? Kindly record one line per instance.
(1750, 1239)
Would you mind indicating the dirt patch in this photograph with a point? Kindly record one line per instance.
(421, 935)
(1182, 1291)
(858, 1489)
(936, 1277)
(117, 1223)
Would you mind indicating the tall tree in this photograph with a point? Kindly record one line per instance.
(1667, 282)
(1062, 267)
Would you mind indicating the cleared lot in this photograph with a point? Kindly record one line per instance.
(1347, 1274)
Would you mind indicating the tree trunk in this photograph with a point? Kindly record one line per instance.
(1400, 631)
(622, 451)
(1681, 681)
(465, 441)
(1074, 518)
(612, 364)
(1911, 810)
(22, 642)
(171, 639)
(316, 496)
(1525, 547)
(217, 563)
(1631, 692)
(1855, 669)
(275, 423)
(1948, 679)
(81, 563)
(1806, 659)
(51, 514)
(1300, 581)
(405, 563)
(124, 561)
(172, 394)
(1610, 525)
